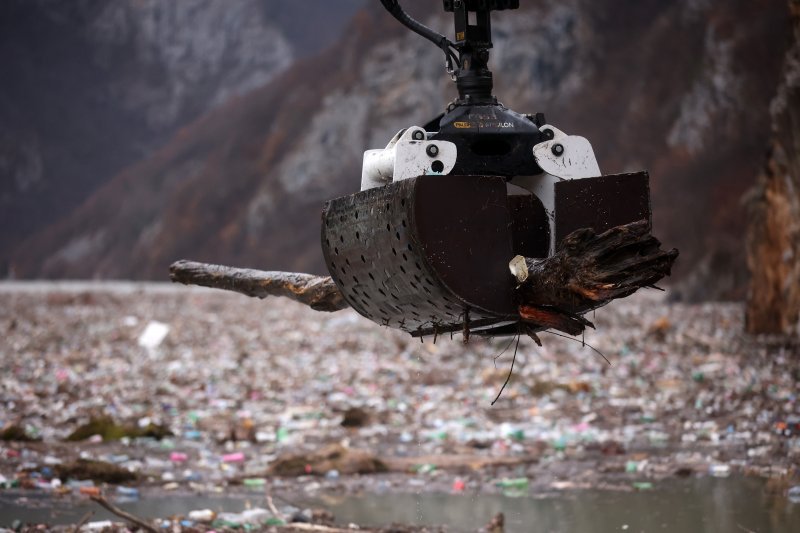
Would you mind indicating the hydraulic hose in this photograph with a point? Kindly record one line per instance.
(393, 7)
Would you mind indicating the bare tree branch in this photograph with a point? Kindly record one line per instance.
(82, 522)
(318, 292)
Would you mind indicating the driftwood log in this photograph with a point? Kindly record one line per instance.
(588, 271)
(318, 292)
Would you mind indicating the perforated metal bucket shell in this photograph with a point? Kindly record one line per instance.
(419, 253)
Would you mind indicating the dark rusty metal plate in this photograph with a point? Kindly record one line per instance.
(601, 203)
(530, 223)
(416, 254)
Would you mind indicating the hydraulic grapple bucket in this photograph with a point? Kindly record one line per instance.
(425, 246)
(425, 253)
(428, 254)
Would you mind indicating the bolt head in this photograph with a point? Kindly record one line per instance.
(418, 135)
(557, 150)
(432, 150)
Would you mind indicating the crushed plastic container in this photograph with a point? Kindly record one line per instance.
(256, 516)
(513, 487)
(202, 515)
(89, 491)
(178, 457)
(153, 335)
(129, 492)
(100, 525)
(719, 470)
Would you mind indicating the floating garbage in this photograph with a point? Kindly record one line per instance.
(256, 517)
(242, 393)
(129, 492)
(514, 487)
(89, 491)
(178, 457)
(100, 525)
(719, 470)
(425, 469)
(153, 335)
(202, 515)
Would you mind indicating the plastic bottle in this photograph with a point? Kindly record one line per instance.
(719, 470)
(130, 492)
(513, 483)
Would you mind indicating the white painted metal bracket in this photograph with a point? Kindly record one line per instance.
(564, 157)
(409, 154)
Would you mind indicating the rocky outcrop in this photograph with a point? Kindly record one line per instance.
(773, 236)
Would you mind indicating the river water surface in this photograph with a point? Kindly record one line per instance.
(704, 505)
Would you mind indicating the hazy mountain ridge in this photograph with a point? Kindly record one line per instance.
(664, 86)
(91, 86)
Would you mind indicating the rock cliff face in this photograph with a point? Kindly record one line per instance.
(680, 88)
(773, 236)
(90, 86)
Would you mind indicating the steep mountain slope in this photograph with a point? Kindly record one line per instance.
(680, 88)
(90, 87)
(773, 233)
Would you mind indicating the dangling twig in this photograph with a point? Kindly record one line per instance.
(82, 522)
(510, 371)
(122, 514)
(274, 510)
(598, 352)
(496, 357)
(466, 325)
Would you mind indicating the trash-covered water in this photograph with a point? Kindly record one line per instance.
(699, 505)
(196, 392)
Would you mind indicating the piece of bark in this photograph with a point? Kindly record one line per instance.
(588, 271)
(551, 318)
(318, 292)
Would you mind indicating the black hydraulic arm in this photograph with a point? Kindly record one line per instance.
(467, 58)
(447, 46)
